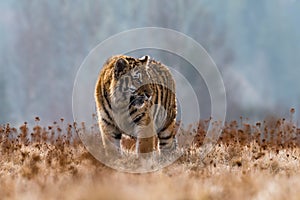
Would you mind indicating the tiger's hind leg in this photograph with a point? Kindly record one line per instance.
(167, 139)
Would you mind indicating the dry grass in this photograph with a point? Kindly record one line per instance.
(258, 161)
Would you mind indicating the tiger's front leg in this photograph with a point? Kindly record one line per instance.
(145, 133)
(146, 139)
(111, 139)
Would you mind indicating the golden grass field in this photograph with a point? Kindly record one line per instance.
(250, 161)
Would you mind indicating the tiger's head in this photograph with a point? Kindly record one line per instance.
(131, 81)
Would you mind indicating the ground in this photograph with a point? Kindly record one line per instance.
(259, 161)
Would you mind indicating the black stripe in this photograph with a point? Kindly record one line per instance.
(100, 98)
(161, 94)
(165, 137)
(163, 143)
(163, 99)
(130, 60)
(158, 104)
(133, 111)
(155, 100)
(106, 98)
(163, 129)
(137, 119)
(165, 103)
(168, 104)
(107, 113)
(156, 96)
(117, 136)
(131, 101)
(107, 122)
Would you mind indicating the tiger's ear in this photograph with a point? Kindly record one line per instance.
(120, 65)
(144, 58)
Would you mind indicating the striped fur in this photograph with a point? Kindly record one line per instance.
(136, 97)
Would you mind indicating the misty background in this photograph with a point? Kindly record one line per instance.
(255, 45)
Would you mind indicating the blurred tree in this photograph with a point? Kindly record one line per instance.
(48, 40)
(53, 38)
(4, 104)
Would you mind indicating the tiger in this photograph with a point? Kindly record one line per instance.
(135, 97)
